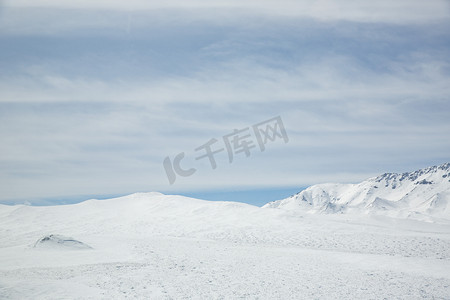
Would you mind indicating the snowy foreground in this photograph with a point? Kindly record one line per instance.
(153, 246)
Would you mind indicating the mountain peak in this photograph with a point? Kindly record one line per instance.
(412, 176)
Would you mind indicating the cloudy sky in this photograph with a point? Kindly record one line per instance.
(94, 95)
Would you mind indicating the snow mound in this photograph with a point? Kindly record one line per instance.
(56, 241)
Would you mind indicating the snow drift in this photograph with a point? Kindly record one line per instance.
(56, 241)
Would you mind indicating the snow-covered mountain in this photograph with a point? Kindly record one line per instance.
(422, 194)
(155, 246)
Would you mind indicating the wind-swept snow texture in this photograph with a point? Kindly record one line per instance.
(155, 246)
(423, 194)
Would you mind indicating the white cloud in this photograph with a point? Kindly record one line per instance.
(400, 11)
(91, 105)
(59, 16)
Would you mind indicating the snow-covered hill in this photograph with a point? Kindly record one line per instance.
(422, 194)
(155, 246)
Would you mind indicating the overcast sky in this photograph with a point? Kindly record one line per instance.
(94, 95)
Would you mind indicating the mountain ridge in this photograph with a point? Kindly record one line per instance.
(422, 194)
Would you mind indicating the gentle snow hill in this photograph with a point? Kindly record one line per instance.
(422, 195)
(138, 214)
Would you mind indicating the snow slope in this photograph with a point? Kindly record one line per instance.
(423, 194)
(155, 246)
